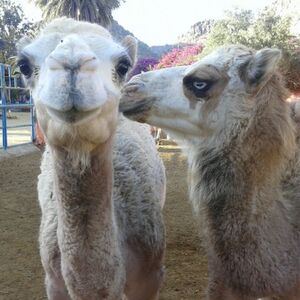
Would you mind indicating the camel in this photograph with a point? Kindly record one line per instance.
(240, 137)
(102, 184)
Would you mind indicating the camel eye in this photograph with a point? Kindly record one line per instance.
(123, 67)
(199, 85)
(25, 67)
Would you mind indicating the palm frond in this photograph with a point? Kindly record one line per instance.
(95, 11)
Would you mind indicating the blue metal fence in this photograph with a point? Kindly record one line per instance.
(9, 83)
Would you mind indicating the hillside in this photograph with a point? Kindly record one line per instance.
(144, 50)
(197, 33)
(161, 50)
(119, 33)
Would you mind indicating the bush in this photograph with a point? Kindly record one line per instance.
(143, 65)
(180, 57)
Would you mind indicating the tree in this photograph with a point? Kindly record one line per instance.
(95, 11)
(231, 30)
(268, 29)
(13, 25)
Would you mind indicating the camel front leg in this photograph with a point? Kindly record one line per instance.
(50, 256)
(144, 278)
(218, 291)
(152, 285)
(55, 287)
(147, 286)
(292, 294)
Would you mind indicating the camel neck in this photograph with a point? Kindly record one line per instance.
(84, 197)
(87, 231)
(227, 196)
(240, 180)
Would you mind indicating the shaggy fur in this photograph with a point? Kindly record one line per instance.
(244, 166)
(252, 229)
(102, 184)
(137, 208)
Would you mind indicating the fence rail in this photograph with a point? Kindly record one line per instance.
(9, 83)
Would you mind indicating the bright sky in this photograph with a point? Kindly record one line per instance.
(159, 22)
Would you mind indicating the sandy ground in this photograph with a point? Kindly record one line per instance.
(21, 274)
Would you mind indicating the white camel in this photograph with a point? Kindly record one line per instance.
(243, 152)
(102, 183)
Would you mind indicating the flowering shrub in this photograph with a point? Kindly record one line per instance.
(143, 65)
(180, 57)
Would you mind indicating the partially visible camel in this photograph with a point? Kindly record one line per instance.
(102, 183)
(244, 166)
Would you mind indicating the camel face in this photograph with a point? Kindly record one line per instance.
(75, 71)
(204, 98)
(157, 98)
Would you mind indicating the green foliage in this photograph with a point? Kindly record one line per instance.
(95, 11)
(231, 30)
(266, 30)
(13, 25)
(241, 27)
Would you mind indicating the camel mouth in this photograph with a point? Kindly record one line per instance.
(134, 103)
(73, 116)
(136, 110)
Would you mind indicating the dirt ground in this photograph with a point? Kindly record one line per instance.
(21, 274)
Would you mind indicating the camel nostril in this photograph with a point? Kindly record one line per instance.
(89, 63)
(54, 63)
(87, 60)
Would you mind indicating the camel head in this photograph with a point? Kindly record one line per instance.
(203, 99)
(75, 71)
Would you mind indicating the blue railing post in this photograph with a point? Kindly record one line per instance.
(5, 105)
(32, 119)
(4, 126)
(3, 102)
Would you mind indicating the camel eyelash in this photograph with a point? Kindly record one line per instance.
(36, 71)
(123, 66)
(114, 76)
(25, 67)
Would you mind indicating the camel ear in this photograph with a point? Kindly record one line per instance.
(261, 68)
(130, 44)
(22, 43)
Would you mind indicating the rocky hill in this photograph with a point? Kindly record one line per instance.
(144, 50)
(197, 33)
(119, 33)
